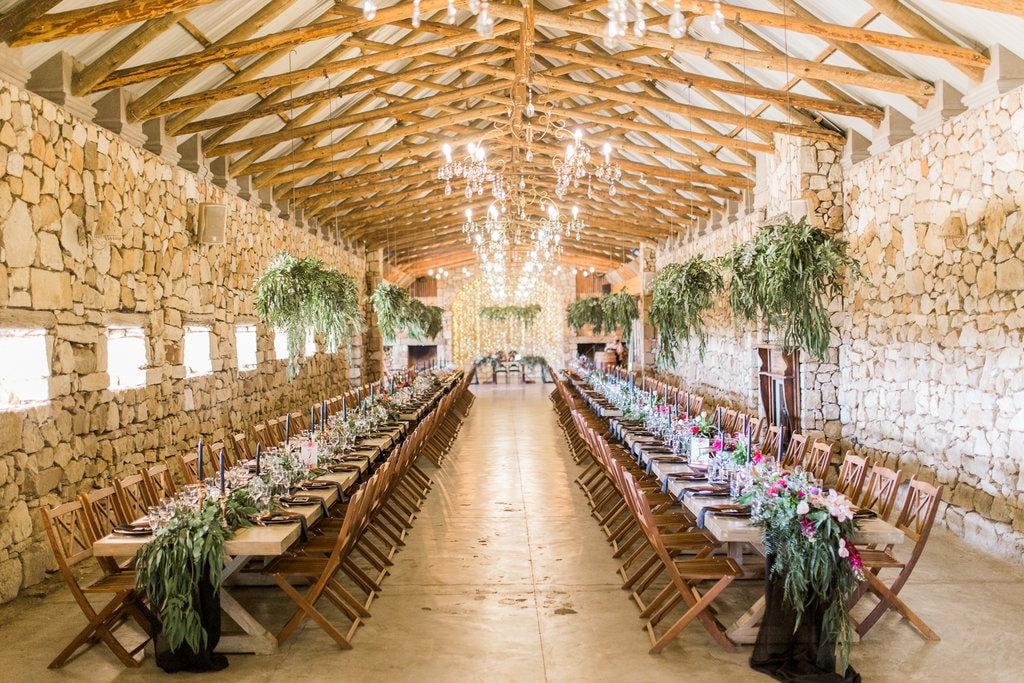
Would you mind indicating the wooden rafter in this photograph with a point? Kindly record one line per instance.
(1014, 7)
(21, 15)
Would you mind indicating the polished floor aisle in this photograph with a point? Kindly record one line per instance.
(506, 577)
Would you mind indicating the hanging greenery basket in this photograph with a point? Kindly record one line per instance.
(784, 278)
(526, 314)
(605, 313)
(299, 295)
(683, 294)
(396, 311)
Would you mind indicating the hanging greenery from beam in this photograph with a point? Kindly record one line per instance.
(396, 311)
(526, 314)
(783, 277)
(299, 295)
(683, 294)
(606, 313)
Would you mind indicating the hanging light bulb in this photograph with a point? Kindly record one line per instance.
(529, 111)
(415, 13)
(451, 12)
(676, 22)
(369, 10)
(717, 18)
(484, 20)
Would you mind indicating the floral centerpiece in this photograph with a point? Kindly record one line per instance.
(703, 427)
(807, 532)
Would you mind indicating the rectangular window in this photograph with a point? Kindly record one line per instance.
(24, 367)
(310, 349)
(280, 344)
(197, 351)
(126, 357)
(245, 347)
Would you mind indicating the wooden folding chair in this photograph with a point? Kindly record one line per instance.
(915, 521)
(160, 483)
(794, 451)
(188, 465)
(263, 436)
(132, 497)
(818, 459)
(851, 475)
(103, 510)
(71, 537)
(320, 573)
(240, 443)
(757, 426)
(685, 575)
(880, 493)
(770, 444)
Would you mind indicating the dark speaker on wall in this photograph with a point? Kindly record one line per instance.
(213, 219)
(606, 288)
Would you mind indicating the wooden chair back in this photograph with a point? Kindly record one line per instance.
(818, 459)
(132, 496)
(275, 428)
(795, 451)
(188, 466)
(770, 443)
(102, 510)
(215, 450)
(300, 422)
(851, 475)
(261, 435)
(243, 452)
(160, 483)
(757, 426)
(880, 492)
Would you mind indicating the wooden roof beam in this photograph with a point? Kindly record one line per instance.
(103, 17)
(1013, 7)
(752, 58)
(942, 49)
(21, 15)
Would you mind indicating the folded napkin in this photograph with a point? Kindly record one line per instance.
(343, 468)
(709, 490)
(313, 485)
(724, 511)
(688, 476)
(133, 529)
(285, 518)
(865, 513)
(669, 458)
(289, 501)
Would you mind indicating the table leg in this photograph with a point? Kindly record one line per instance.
(255, 639)
(744, 630)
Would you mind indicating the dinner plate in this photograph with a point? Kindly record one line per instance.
(132, 530)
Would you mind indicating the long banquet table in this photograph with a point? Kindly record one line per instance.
(735, 533)
(274, 540)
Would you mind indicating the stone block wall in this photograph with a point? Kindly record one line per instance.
(930, 367)
(98, 232)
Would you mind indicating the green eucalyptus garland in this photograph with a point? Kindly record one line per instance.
(606, 313)
(527, 314)
(583, 312)
(683, 294)
(299, 295)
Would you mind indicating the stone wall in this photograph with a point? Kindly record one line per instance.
(94, 232)
(931, 361)
(924, 372)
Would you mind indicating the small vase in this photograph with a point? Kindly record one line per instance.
(700, 449)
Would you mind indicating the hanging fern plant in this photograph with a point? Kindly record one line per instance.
(299, 295)
(396, 311)
(584, 312)
(683, 294)
(526, 314)
(620, 310)
(784, 277)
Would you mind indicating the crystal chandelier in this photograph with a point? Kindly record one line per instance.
(474, 170)
(571, 169)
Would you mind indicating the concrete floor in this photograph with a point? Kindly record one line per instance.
(506, 577)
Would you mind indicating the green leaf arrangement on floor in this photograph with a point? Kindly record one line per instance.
(298, 295)
(683, 294)
(606, 313)
(526, 314)
(396, 311)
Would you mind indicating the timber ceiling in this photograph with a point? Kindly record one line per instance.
(345, 117)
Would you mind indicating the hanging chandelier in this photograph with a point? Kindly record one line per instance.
(619, 13)
(571, 169)
(473, 169)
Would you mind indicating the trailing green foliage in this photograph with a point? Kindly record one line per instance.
(620, 310)
(527, 314)
(298, 295)
(396, 310)
(170, 566)
(784, 276)
(585, 312)
(533, 361)
(683, 293)
(605, 313)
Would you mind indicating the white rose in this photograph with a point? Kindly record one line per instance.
(803, 508)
